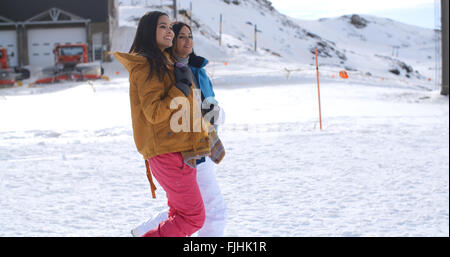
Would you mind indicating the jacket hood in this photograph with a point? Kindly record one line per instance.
(197, 61)
(129, 61)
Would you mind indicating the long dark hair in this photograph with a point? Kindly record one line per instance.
(144, 44)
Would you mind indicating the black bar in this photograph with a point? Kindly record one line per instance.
(228, 246)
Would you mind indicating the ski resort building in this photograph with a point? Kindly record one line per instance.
(30, 30)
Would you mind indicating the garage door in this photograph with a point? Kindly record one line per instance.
(41, 43)
(8, 40)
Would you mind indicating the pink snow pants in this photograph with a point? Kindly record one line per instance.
(186, 209)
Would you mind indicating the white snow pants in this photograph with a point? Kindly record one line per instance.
(215, 206)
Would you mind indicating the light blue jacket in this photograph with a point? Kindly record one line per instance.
(205, 83)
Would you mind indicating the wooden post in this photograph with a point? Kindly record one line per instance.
(256, 38)
(175, 11)
(220, 31)
(318, 88)
(190, 14)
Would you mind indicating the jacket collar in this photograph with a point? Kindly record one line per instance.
(197, 61)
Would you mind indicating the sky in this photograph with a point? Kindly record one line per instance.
(415, 12)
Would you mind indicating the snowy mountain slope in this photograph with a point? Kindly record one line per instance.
(278, 35)
(365, 48)
(384, 41)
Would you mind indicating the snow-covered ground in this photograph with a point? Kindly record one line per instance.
(380, 167)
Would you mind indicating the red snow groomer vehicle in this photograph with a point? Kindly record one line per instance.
(9, 76)
(71, 63)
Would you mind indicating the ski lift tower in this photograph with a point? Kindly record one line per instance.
(444, 26)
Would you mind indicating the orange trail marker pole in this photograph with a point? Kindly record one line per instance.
(318, 89)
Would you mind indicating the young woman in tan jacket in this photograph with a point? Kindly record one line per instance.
(215, 205)
(159, 90)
